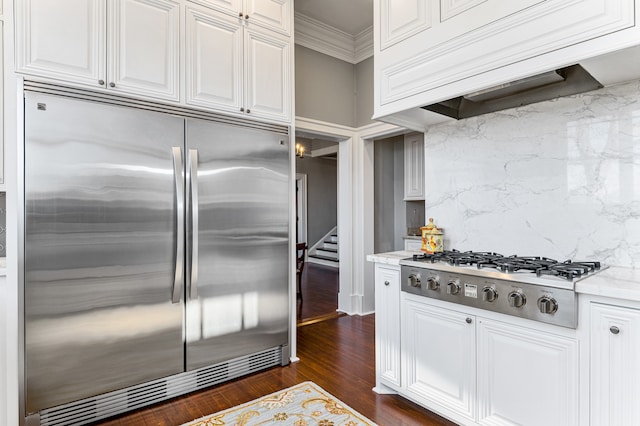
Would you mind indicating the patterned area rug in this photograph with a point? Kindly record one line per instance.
(305, 404)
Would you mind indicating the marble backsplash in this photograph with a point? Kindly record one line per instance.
(559, 178)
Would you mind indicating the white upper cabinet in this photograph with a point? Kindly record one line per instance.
(237, 54)
(431, 50)
(272, 14)
(214, 60)
(414, 166)
(143, 48)
(268, 76)
(237, 67)
(76, 54)
(124, 45)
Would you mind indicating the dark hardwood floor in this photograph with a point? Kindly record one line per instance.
(319, 292)
(338, 354)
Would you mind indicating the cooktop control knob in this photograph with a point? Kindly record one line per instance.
(517, 299)
(433, 283)
(489, 294)
(547, 305)
(453, 287)
(414, 281)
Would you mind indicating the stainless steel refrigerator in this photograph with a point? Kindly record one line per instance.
(155, 245)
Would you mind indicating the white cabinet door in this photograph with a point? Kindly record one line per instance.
(400, 19)
(214, 60)
(268, 75)
(236, 68)
(131, 46)
(517, 366)
(231, 7)
(272, 14)
(439, 362)
(143, 52)
(387, 301)
(414, 166)
(2, 118)
(615, 351)
(63, 39)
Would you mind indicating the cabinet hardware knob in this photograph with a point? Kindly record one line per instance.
(614, 330)
(246, 16)
(240, 14)
(386, 283)
(101, 82)
(248, 111)
(241, 109)
(469, 320)
(112, 84)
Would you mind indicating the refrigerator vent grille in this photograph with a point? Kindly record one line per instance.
(96, 96)
(110, 404)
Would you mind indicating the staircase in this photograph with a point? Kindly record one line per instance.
(325, 251)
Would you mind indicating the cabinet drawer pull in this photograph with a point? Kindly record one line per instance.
(386, 283)
(614, 330)
(469, 320)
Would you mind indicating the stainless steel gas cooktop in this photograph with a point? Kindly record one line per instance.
(532, 287)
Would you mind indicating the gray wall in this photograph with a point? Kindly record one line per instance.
(364, 92)
(332, 90)
(322, 194)
(389, 213)
(324, 88)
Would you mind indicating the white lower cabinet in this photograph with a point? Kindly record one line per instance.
(525, 376)
(387, 298)
(615, 374)
(439, 357)
(483, 371)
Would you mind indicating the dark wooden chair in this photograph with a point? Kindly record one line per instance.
(301, 252)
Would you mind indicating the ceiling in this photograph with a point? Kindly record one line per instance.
(349, 16)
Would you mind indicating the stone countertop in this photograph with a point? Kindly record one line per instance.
(3, 266)
(615, 282)
(392, 257)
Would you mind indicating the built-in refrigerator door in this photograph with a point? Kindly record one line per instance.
(103, 239)
(237, 285)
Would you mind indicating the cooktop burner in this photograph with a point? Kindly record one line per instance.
(541, 266)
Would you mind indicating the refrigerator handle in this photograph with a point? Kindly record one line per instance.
(193, 183)
(178, 173)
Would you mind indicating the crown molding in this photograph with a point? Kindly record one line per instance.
(364, 45)
(331, 41)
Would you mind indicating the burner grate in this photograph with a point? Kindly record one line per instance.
(539, 265)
